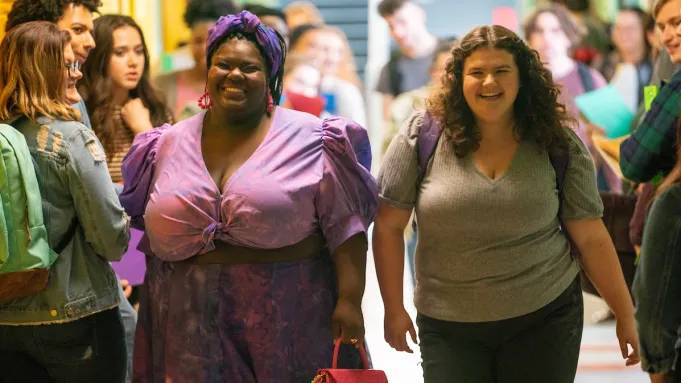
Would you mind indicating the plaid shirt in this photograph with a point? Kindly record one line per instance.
(651, 147)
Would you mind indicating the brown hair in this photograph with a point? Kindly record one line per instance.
(96, 86)
(647, 23)
(569, 27)
(658, 7)
(538, 114)
(32, 72)
(387, 8)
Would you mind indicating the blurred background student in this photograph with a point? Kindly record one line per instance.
(328, 48)
(117, 89)
(182, 89)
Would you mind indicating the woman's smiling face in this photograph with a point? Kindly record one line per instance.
(237, 77)
(490, 84)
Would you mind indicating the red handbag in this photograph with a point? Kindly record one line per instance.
(337, 375)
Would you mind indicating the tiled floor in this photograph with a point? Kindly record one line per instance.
(600, 359)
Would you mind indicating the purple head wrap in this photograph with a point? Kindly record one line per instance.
(249, 23)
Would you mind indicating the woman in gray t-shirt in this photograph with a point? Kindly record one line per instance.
(497, 291)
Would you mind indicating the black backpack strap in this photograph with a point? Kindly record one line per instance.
(585, 77)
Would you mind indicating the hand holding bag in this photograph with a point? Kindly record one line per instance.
(336, 375)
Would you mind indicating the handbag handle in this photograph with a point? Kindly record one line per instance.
(362, 354)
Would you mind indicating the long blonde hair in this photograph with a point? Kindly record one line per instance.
(32, 72)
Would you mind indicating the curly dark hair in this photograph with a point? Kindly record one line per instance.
(96, 86)
(44, 10)
(207, 10)
(538, 114)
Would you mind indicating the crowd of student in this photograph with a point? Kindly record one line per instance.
(248, 176)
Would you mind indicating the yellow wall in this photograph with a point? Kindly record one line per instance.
(174, 29)
(146, 14)
(5, 6)
(161, 21)
(123, 7)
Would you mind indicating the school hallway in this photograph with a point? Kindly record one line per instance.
(600, 359)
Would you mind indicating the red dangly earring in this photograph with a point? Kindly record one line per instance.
(270, 103)
(204, 101)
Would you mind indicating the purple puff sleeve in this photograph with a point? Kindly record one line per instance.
(348, 195)
(138, 172)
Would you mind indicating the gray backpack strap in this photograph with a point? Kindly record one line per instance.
(560, 160)
(429, 135)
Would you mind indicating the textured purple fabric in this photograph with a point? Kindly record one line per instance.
(238, 324)
(305, 168)
(131, 267)
(244, 323)
(249, 23)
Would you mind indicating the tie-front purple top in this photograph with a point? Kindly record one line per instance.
(305, 177)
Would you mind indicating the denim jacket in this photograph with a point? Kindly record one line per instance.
(86, 225)
(657, 285)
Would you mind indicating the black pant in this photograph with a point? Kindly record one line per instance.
(91, 349)
(539, 347)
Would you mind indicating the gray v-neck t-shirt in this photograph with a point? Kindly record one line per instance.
(488, 249)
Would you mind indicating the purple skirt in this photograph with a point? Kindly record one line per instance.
(236, 323)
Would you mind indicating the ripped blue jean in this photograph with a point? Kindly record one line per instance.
(657, 284)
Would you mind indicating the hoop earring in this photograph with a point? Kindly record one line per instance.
(204, 101)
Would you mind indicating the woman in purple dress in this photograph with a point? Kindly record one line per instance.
(256, 218)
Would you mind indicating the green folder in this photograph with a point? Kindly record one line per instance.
(606, 108)
(649, 94)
